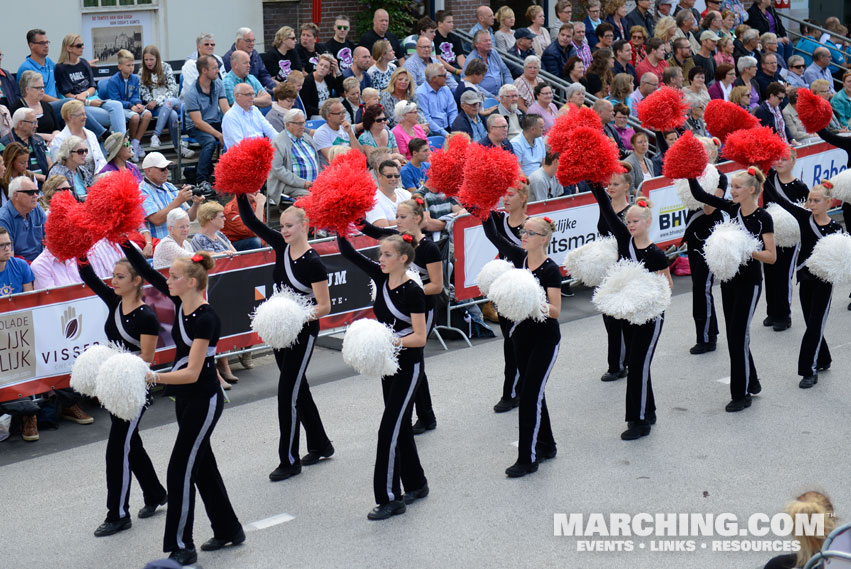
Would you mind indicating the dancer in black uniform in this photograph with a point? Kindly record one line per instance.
(400, 304)
(842, 143)
(778, 277)
(428, 263)
(508, 225)
(535, 343)
(132, 325)
(634, 243)
(198, 404)
(300, 268)
(740, 294)
(815, 293)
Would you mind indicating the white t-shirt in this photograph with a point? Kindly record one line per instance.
(386, 209)
(324, 137)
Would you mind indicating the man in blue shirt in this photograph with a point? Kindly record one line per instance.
(206, 104)
(245, 43)
(414, 173)
(39, 62)
(244, 120)
(484, 21)
(240, 73)
(15, 274)
(529, 145)
(819, 68)
(161, 197)
(23, 218)
(497, 74)
(469, 120)
(436, 100)
(497, 134)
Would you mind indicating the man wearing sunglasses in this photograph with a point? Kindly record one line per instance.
(388, 196)
(23, 218)
(795, 76)
(245, 42)
(39, 62)
(339, 46)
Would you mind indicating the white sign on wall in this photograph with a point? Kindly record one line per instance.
(107, 33)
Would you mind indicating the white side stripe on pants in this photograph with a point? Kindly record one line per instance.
(821, 334)
(125, 467)
(756, 289)
(645, 369)
(539, 404)
(394, 439)
(308, 351)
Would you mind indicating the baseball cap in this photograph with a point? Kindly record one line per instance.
(708, 35)
(523, 33)
(155, 160)
(470, 97)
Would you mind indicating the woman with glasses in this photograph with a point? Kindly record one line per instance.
(74, 115)
(118, 156)
(32, 97)
(544, 105)
(282, 57)
(637, 37)
(376, 134)
(71, 163)
(51, 187)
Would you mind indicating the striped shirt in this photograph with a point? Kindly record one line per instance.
(157, 198)
(305, 164)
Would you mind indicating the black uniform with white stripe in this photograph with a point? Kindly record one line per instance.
(295, 402)
(198, 407)
(397, 463)
(740, 295)
(125, 453)
(843, 143)
(618, 350)
(535, 346)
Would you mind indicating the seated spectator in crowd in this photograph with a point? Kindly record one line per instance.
(655, 61)
(415, 172)
(39, 62)
(309, 50)
(841, 102)
(605, 36)
(819, 68)
(285, 96)
(242, 238)
(694, 121)
(668, 140)
(74, 115)
(425, 26)
(408, 128)
(767, 74)
(621, 89)
(361, 62)
(648, 83)
(370, 97)
(821, 88)
(536, 17)
(211, 217)
(161, 197)
(176, 244)
(296, 79)
(637, 37)
(748, 46)
(124, 87)
(526, 83)
(592, 20)
(15, 274)
(642, 16)
(417, 64)
(320, 85)
(621, 122)
(9, 91)
(522, 49)
(206, 105)
(605, 110)
(790, 116)
(376, 134)
(543, 183)
(296, 161)
(51, 187)
(497, 134)
(50, 272)
(598, 77)
(159, 94)
(681, 55)
(580, 43)
(71, 163)
(795, 73)
(379, 31)
(451, 49)
(383, 67)
(558, 52)
(118, 155)
(238, 75)
(245, 43)
(769, 43)
(747, 67)
(686, 28)
(469, 120)
(544, 106)
(724, 54)
(244, 120)
(508, 103)
(741, 96)
(340, 46)
(475, 74)
(484, 21)
(529, 145)
(282, 57)
(15, 162)
(497, 74)
(763, 17)
(673, 78)
(615, 12)
(574, 71)
(32, 87)
(504, 36)
(401, 88)
(388, 196)
(205, 44)
(351, 100)
(697, 84)
(336, 130)
(770, 114)
(725, 76)
(23, 218)
(623, 57)
(24, 124)
(436, 101)
(564, 15)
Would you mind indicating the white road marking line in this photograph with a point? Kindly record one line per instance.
(516, 444)
(724, 380)
(268, 522)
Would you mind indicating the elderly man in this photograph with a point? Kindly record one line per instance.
(379, 31)
(748, 46)
(498, 74)
(239, 73)
(558, 52)
(484, 22)
(606, 112)
(687, 5)
(686, 25)
(423, 57)
(543, 183)
(296, 162)
(648, 83)
(205, 44)
(623, 58)
(23, 218)
(795, 75)
(642, 16)
(361, 61)
(497, 134)
(508, 97)
(818, 69)
(388, 196)
(436, 100)
(673, 78)
(245, 43)
(161, 197)
(244, 120)
(469, 120)
(529, 145)
(522, 48)
(770, 114)
(580, 44)
(24, 124)
(206, 105)
(769, 72)
(336, 130)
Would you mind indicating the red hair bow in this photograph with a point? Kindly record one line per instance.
(548, 220)
(419, 200)
(716, 141)
(827, 184)
(408, 238)
(752, 171)
(196, 258)
(641, 203)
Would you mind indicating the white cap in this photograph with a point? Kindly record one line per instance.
(155, 160)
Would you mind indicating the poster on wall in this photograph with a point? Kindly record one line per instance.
(107, 33)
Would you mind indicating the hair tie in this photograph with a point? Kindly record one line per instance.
(716, 141)
(641, 203)
(548, 220)
(827, 184)
(407, 238)
(419, 200)
(751, 171)
(196, 258)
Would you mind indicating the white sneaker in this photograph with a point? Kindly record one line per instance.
(155, 141)
(137, 150)
(186, 153)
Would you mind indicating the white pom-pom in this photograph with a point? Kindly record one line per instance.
(831, 259)
(517, 295)
(415, 276)
(728, 248)
(841, 186)
(85, 369)
(708, 181)
(631, 292)
(590, 263)
(787, 232)
(279, 320)
(121, 386)
(490, 272)
(369, 347)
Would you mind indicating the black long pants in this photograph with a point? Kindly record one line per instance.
(125, 458)
(702, 299)
(643, 339)
(536, 350)
(396, 460)
(739, 301)
(618, 345)
(422, 399)
(295, 402)
(815, 300)
(778, 283)
(511, 383)
(192, 465)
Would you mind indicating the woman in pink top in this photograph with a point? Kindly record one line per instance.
(544, 106)
(408, 127)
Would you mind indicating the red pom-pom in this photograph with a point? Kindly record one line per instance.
(759, 146)
(65, 232)
(815, 113)
(686, 158)
(723, 117)
(488, 173)
(589, 156)
(342, 194)
(114, 207)
(559, 135)
(243, 169)
(663, 109)
(446, 170)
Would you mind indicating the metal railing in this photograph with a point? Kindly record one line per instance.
(799, 36)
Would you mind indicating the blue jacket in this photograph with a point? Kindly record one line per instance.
(635, 18)
(9, 87)
(258, 68)
(555, 57)
(766, 118)
(115, 88)
(590, 34)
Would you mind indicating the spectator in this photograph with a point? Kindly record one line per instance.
(475, 74)
(598, 77)
(819, 68)
(616, 12)
(124, 87)
(285, 95)
(664, 8)
(497, 134)
(498, 73)
(74, 114)
(544, 106)
(770, 43)
(795, 75)
(469, 120)
(244, 120)
(205, 44)
(769, 113)
(309, 50)
(206, 105)
(50, 272)
(705, 56)
(697, 85)
(243, 239)
(724, 53)
(813, 509)
(808, 43)
(159, 93)
(400, 88)
(576, 95)
(641, 16)
(415, 172)
(591, 21)
(15, 162)
(526, 83)
(320, 85)
(529, 145)
(508, 100)
(605, 110)
(379, 31)
(741, 95)
(621, 122)
(282, 57)
(24, 124)
(623, 56)
(681, 55)
(450, 49)
(71, 163)
(747, 78)
(790, 116)
(673, 77)
(240, 64)
(340, 46)
(605, 36)
(522, 48)
(763, 17)
(24, 219)
(666, 29)
(686, 24)
(504, 36)
(15, 274)
(668, 139)
(245, 43)
(39, 62)
(436, 100)
(711, 23)
(655, 61)
(296, 161)
(76, 80)
(694, 121)
(361, 62)
(382, 70)
(336, 131)
(535, 15)
(388, 195)
(574, 71)
(176, 244)
(161, 197)
(296, 79)
(841, 102)
(725, 75)
(821, 87)
(370, 97)
(484, 21)
(407, 129)
(687, 5)
(728, 24)
(564, 15)
(118, 155)
(543, 183)
(649, 83)
(416, 64)
(9, 92)
(768, 73)
(747, 47)
(211, 217)
(558, 52)
(32, 86)
(580, 43)
(376, 134)
(53, 185)
(351, 101)
(621, 89)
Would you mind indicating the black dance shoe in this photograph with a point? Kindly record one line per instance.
(421, 426)
(109, 528)
(754, 386)
(313, 456)
(769, 321)
(387, 510)
(636, 430)
(518, 470)
(184, 556)
(285, 471)
(780, 325)
(545, 453)
(823, 367)
(737, 405)
(215, 543)
(506, 404)
(808, 381)
(150, 509)
(413, 495)
(702, 348)
(614, 375)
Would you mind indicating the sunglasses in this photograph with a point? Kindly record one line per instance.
(81, 151)
(382, 119)
(342, 27)
(798, 66)
(126, 144)
(391, 176)
(77, 45)
(29, 192)
(60, 188)
(210, 45)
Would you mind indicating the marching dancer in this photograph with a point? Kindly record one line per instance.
(198, 404)
(400, 304)
(298, 267)
(740, 294)
(843, 143)
(133, 325)
(535, 343)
